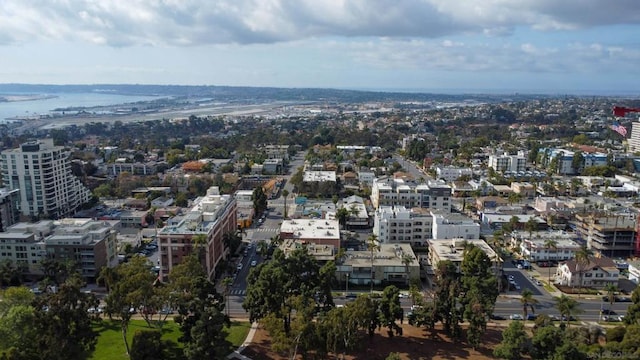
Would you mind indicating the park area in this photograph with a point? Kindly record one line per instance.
(415, 343)
(111, 347)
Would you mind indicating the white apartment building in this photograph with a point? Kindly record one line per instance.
(433, 195)
(397, 224)
(452, 173)
(598, 273)
(506, 162)
(366, 177)
(533, 247)
(454, 226)
(634, 139)
(91, 244)
(42, 172)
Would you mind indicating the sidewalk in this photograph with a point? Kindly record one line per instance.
(238, 353)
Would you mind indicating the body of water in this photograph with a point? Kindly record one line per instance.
(63, 100)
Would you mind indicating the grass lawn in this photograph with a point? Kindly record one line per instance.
(111, 347)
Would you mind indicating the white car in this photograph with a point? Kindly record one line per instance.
(254, 263)
(239, 267)
(516, 317)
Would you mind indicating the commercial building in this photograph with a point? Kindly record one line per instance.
(91, 244)
(392, 263)
(312, 231)
(400, 192)
(205, 224)
(42, 173)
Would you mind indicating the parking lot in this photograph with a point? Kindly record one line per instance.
(522, 279)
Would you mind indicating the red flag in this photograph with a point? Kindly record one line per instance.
(620, 111)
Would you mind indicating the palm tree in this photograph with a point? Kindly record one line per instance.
(567, 307)
(611, 293)
(372, 245)
(407, 260)
(276, 240)
(285, 194)
(582, 258)
(550, 244)
(528, 301)
(227, 285)
(263, 248)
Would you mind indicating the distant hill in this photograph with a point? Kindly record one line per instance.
(245, 93)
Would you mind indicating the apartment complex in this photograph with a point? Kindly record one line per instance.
(400, 192)
(506, 162)
(611, 234)
(91, 244)
(453, 250)
(9, 203)
(535, 246)
(390, 263)
(451, 226)
(42, 173)
(397, 224)
(205, 224)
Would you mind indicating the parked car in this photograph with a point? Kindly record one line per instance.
(516, 317)
(497, 317)
(254, 263)
(239, 267)
(532, 316)
(608, 312)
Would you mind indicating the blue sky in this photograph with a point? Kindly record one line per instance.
(550, 46)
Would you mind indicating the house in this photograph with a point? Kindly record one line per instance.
(598, 273)
(634, 271)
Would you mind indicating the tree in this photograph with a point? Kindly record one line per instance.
(567, 307)
(406, 261)
(342, 214)
(227, 282)
(633, 310)
(391, 310)
(528, 301)
(132, 289)
(611, 293)
(146, 345)
(545, 341)
(372, 246)
(550, 244)
(63, 323)
(285, 194)
(259, 199)
(582, 258)
(514, 342)
(200, 310)
(480, 291)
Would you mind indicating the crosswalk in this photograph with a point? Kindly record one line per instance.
(263, 230)
(238, 292)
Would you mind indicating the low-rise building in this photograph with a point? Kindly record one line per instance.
(450, 226)
(535, 246)
(391, 263)
(358, 214)
(634, 271)
(89, 243)
(453, 250)
(598, 273)
(313, 231)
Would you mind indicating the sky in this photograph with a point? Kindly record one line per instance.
(535, 46)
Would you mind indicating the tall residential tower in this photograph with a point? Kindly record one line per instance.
(42, 173)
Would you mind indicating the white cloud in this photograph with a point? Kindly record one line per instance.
(194, 22)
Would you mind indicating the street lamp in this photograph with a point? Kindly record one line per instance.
(346, 284)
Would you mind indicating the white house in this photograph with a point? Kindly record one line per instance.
(598, 273)
(634, 271)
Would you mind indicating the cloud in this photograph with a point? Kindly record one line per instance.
(197, 22)
(503, 57)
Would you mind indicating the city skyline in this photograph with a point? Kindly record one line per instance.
(574, 46)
